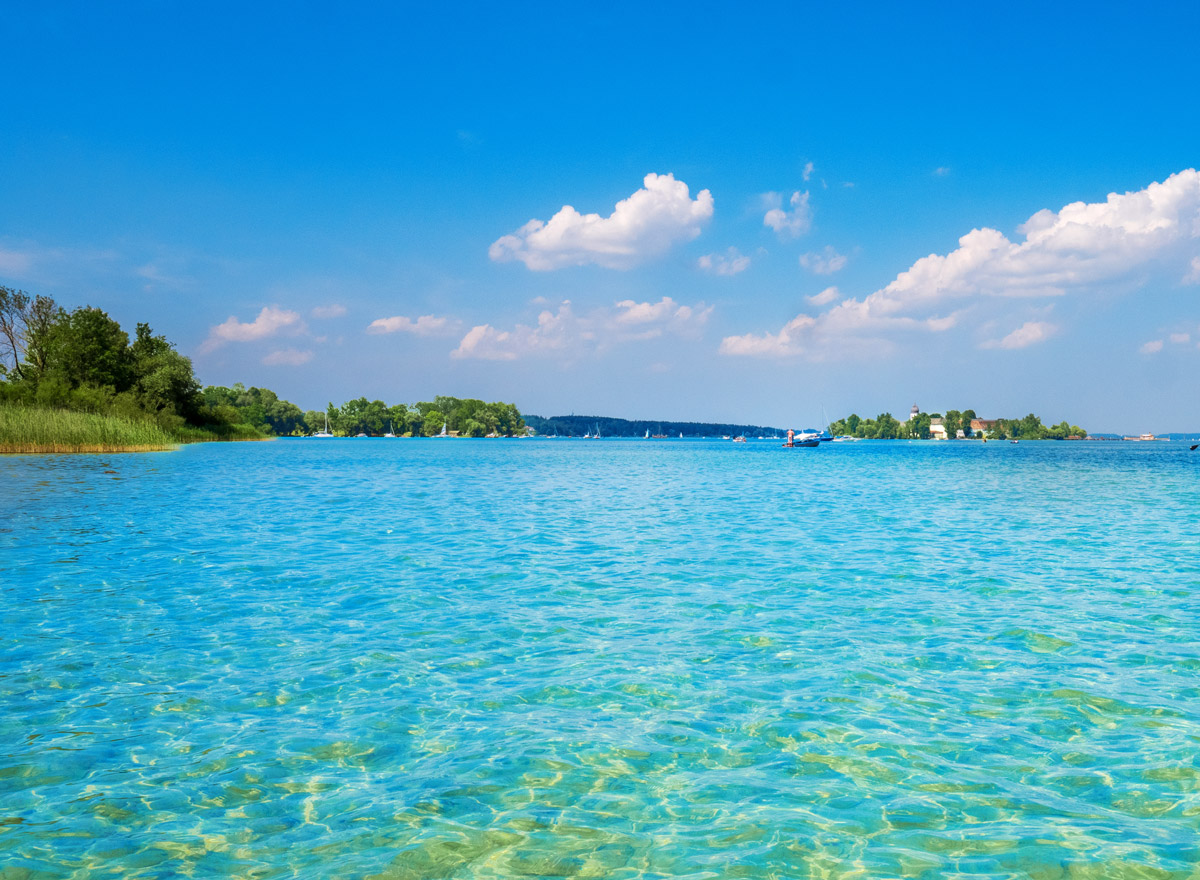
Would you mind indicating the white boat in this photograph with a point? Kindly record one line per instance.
(326, 432)
(391, 430)
(443, 434)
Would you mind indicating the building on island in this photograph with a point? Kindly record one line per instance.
(982, 426)
(937, 429)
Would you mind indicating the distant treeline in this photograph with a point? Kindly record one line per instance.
(274, 417)
(885, 426)
(83, 361)
(578, 426)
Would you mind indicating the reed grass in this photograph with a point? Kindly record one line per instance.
(25, 429)
(189, 434)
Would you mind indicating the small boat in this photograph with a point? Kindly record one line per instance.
(391, 430)
(326, 432)
(805, 439)
(443, 434)
(739, 439)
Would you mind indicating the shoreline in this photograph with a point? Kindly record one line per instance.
(113, 448)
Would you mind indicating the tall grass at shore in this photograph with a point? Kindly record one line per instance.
(188, 434)
(25, 429)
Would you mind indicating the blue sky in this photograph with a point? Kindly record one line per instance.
(333, 203)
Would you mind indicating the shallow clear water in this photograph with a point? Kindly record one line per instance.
(436, 659)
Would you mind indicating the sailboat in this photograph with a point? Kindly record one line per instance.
(391, 430)
(443, 434)
(326, 432)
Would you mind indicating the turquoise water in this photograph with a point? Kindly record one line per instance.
(617, 659)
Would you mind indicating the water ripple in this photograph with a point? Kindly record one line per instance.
(421, 659)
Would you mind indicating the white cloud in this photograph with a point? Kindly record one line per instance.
(729, 263)
(425, 325)
(1180, 338)
(1152, 347)
(941, 171)
(1193, 275)
(330, 311)
(1081, 246)
(642, 226)
(566, 333)
(1119, 245)
(825, 262)
(287, 357)
(1029, 333)
(788, 342)
(789, 224)
(270, 322)
(808, 171)
(825, 297)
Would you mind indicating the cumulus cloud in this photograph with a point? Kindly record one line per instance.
(425, 325)
(825, 262)
(330, 311)
(1154, 346)
(1029, 333)
(789, 224)
(271, 321)
(1118, 245)
(730, 263)
(642, 226)
(808, 171)
(287, 357)
(1180, 338)
(566, 333)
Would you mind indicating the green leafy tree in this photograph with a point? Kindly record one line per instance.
(434, 419)
(25, 321)
(919, 426)
(164, 383)
(953, 422)
(887, 427)
(87, 347)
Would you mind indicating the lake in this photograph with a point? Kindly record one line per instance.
(602, 659)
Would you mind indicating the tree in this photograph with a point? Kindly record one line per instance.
(919, 425)
(434, 419)
(164, 383)
(888, 428)
(953, 422)
(24, 322)
(87, 347)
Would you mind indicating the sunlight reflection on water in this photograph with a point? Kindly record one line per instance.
(416, 659)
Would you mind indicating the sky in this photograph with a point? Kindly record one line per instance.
(673, 211)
